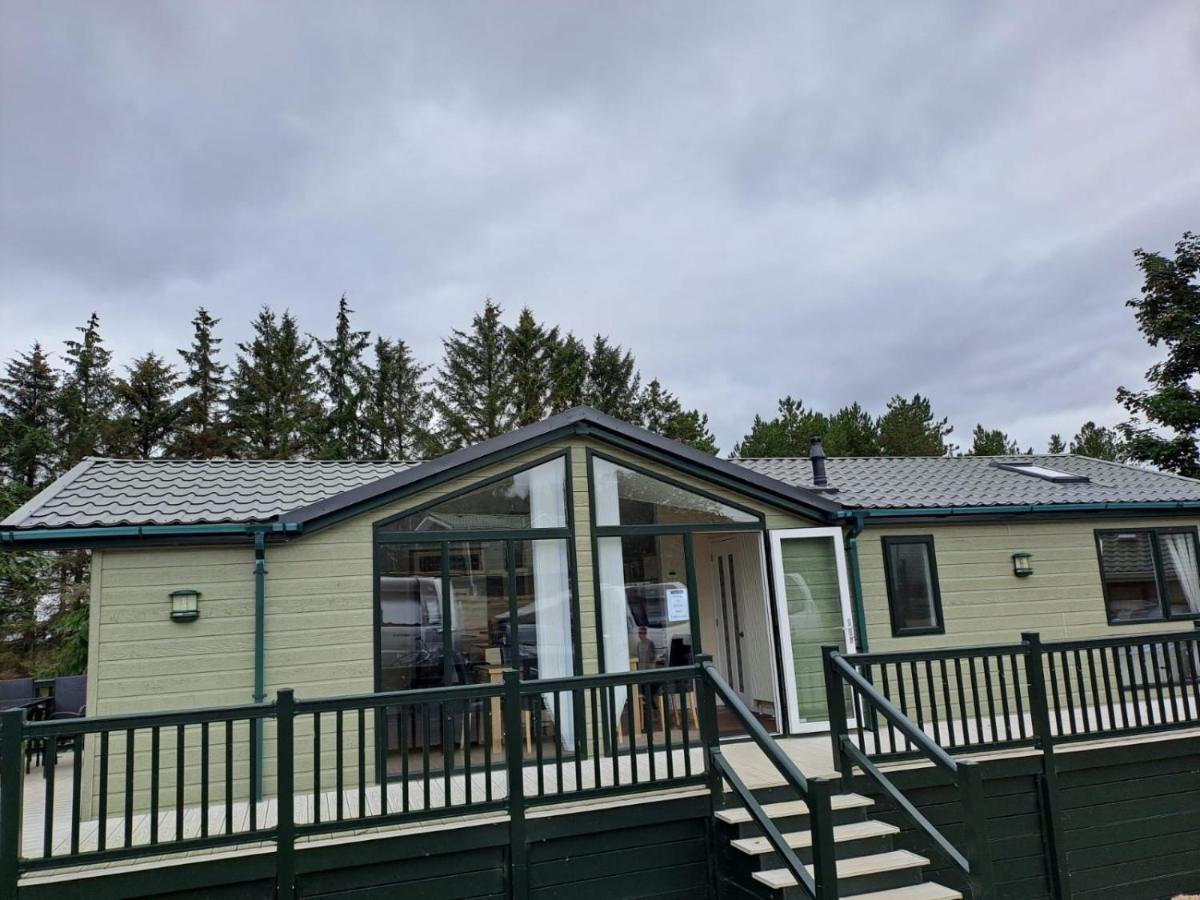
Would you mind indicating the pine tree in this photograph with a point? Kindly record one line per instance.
(991, 442)
(1165, 426)
(690, 427)
(851, 431)
(661, 412)
(147, 410)
(908, 428)
(398, 409)
(27, 419)
(788, 434)
(613, 381)
(569, 364)
(86, 400)
(531, 349)
(474, 385)
(1056, 444)
(1098, 442)
(343, 376)
(202, 431)
(273, 400)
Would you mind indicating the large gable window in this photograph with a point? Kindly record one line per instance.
(628, 497)
(1149, 574)
(914, 598)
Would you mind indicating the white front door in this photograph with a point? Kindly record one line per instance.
(743, 632)
(812, 600)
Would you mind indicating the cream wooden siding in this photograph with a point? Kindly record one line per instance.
(984, 603)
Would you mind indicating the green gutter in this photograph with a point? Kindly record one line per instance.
(856, 591)
(260, 615)
(50, 535)
(1115, 506)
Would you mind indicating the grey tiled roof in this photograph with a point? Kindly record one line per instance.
(190, 492)
(912, 482)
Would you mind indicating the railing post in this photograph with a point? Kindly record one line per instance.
(710, 732)
(979, 852)
(1039, 706)
(12, 777)
(820, 817)
(518, 850)
(835, 701)
(285, 784)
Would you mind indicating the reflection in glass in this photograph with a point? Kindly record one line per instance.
(626, 497)
(1130, 585)
(533, 498)
(410, 607)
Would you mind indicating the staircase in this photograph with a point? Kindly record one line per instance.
(868, 865)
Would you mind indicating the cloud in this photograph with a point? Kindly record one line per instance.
(839, 202)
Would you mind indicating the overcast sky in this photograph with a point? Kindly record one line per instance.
(838, 201)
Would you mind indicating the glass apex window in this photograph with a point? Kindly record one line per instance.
(529, 499)
(625, 496)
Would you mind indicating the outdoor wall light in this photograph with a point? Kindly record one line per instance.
(185, 605)
(1022, 566)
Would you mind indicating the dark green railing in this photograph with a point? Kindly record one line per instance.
(133, 786)
(940, 704)
(821, 883)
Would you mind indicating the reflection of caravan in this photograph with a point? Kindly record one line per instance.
(646, 604)
(411, 632)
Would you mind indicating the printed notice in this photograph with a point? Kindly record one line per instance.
(677, 605)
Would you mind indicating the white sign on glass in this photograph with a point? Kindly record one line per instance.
(677, 605)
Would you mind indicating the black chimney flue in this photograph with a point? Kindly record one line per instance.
(816, 455)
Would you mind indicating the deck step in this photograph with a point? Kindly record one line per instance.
(927, 891)
(855, 831)
(855, 867)
(740, 815)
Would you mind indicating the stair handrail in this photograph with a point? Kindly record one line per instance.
(976, 862)
(816, 792)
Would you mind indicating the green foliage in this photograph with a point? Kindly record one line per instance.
(661, 412)
(273, 404)
(531, 349)
(474, 383)
(27, 418)
(909, 428)
(851, 431)
(202, 430)
(1056, 444)
(146, 410)
(569, 363)
(991, 442)
(343, 376)
(1165, 418)
(788, 434)
(1098, 442)
(398, 409)
(613, 381)
(86, 400)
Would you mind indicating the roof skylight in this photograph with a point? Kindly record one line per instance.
(1043, 472)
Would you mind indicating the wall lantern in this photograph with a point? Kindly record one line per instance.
(185, 605)
(1022, 566)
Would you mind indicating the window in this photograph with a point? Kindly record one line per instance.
(1149, 574)
(628, 497)
(534, 498)
(914, 599)
(644, 600)
(1043, 472)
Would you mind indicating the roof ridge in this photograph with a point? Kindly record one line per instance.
(226, 459)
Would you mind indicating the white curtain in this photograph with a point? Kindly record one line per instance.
(552, 589)
(610, 562)
(1182, 550)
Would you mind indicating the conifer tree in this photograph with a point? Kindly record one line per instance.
(851, 431)
(569, 364)
(531, 349)
(398, 409)
(788, 434)
(202, 431)
(27, 419)
(474, 383)
(613, 381)
(273, 401)
(908, 428)
(1098, 442)
(147, 410)
(86, 400)
(1056, 444)
(343, 377)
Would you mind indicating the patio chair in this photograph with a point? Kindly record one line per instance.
(16, 692)
(70, 697)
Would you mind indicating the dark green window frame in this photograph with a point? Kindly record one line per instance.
(1164, 606)
(899, 629)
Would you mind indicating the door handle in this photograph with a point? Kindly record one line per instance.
(741, 634)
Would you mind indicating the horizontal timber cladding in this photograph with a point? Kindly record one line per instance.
(983, 602)
(1130, 820)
